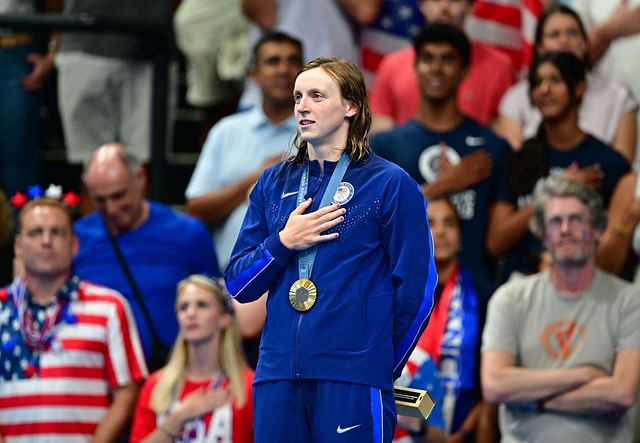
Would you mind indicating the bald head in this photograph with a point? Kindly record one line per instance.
(109, 156)
(115, 181)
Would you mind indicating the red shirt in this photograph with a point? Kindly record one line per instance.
(395, 92)
(232, 423)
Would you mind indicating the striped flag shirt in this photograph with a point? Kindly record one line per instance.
(69, 395)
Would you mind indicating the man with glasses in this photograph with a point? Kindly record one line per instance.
(561, 349)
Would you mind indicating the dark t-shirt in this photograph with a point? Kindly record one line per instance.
(416, 149)
(588, 152)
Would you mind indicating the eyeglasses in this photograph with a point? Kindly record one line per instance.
(573, 221)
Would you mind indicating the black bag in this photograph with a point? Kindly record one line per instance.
(159, 351)
(159, 354)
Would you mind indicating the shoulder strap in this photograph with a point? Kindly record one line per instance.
(134, 286)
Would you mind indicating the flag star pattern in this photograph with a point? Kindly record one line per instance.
(55, 388)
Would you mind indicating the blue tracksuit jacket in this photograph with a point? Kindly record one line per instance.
(375, 282)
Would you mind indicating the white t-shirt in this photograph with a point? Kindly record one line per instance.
(622, 59)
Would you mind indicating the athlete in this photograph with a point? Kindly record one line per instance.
(336, 235)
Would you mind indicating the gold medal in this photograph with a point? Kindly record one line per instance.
(303, 295)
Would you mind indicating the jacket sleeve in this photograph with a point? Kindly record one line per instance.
(258, 256)
(408, 242)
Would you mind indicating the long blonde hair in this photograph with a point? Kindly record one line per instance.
(230, 353)
(352, 87)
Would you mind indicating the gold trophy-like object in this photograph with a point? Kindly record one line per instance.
(413, 402)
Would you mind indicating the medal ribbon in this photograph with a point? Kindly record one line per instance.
(307, 257)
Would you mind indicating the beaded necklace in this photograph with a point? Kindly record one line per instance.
(35, 326)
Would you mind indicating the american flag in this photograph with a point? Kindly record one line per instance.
(397, 23)
(69, 394)
(508, 25)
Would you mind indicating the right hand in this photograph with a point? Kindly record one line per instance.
(200, 402)
(590, 175)
(305, 230)
(42, 69)
(472, 169)
(590, 373)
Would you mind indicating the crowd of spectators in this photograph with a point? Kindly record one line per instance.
(120, 316)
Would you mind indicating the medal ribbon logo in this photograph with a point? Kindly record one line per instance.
(303, 293)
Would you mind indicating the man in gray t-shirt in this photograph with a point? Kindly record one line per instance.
(561, 349)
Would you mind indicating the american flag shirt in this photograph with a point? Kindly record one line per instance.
(59, 389)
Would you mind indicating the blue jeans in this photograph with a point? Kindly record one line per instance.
(19, 123)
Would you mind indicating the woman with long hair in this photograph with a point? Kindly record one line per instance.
(203, 394)
(339, 238)
(560, 147)
(608, 109)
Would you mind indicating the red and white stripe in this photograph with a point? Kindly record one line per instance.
(375, 44)
(509, 25)
(69, 397)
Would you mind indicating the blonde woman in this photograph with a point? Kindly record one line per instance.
(203, 394)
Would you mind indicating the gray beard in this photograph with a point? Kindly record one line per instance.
(571, 263)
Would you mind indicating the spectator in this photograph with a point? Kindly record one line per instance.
(105, 79)
(561, 349)
(446, 152)
(352, 251)
(139, 247)
(71, 358)
(212, 36)
(446, 358)
(395, 94)
(561, 147)
(608, 109)
(24, 71)
(203, 394)
(241, 146)
(333, 31)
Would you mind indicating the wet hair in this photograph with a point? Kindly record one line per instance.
(444, 33)
(526, 166)
(554, 187)
(352, 87)
(274, 37)
(558, 8)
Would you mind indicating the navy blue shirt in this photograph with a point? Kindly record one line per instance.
(588, 152)
(416, 149)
